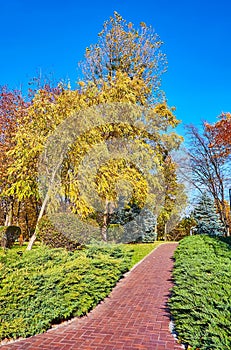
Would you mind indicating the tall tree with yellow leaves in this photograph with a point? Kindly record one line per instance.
(63, 128)
(123, 48)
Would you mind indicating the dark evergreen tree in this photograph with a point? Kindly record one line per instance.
(138, 224)
(207, 219)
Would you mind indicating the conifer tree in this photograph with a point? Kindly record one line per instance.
(207, 219)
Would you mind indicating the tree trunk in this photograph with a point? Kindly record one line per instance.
(9, 215)
(32, 240)
(156, 232)
(45, 201)
(104, 231)
(42, 210)
(228, 231)
(165, 231)
(18, 212)
(106, 219)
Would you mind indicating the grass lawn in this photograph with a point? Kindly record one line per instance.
(140, 251)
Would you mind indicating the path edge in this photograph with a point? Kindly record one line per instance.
(146, 256)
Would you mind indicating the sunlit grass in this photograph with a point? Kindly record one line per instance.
(140, 250)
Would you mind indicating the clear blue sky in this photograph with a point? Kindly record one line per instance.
(52, 36)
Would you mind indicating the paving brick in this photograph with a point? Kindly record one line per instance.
(134, 316)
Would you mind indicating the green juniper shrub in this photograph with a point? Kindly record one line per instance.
(201, 297)
(46, 286)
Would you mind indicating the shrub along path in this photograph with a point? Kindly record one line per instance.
(134, 316)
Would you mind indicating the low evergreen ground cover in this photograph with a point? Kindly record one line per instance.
(46, 286)
(201, 298)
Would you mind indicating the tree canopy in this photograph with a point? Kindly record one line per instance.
(123, 48)
(207, 219)
(208, 170)
(221, 133)
(85, 149)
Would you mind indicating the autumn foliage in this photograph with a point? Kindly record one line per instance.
(221, 132)
(28, 123)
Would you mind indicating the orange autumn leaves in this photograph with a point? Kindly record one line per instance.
(221, 134)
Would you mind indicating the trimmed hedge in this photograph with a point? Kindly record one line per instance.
(201, 298)
(53, 238)
(8, 235)
(65, 231)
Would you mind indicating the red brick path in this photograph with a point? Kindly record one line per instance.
(134, 316)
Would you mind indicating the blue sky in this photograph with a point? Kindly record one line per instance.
(51, 36)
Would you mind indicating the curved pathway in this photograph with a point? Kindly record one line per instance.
(134, 316)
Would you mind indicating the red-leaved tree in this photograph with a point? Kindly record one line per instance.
(12, 108)
(221, 134)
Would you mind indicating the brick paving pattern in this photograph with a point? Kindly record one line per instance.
(134, 316)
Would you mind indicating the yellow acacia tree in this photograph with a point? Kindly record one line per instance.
(123, 48)
(63, 128)
(50, 109)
